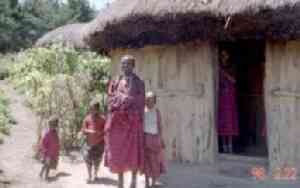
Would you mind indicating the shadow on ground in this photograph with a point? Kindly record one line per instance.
(3, 180)
(105, 181)
(58, 176)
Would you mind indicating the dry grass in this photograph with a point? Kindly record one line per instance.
(136, 23)
(69, 35)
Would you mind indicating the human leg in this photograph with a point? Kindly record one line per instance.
(96, 168)
(133, 179)
(121, 180)
(230, 147)
(147, 183)
(89, 170)
(43, 169)
(224, 144)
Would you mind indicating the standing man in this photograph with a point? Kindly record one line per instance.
(124, 127)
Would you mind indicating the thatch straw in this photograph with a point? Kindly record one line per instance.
(69, 35)
(136, 23)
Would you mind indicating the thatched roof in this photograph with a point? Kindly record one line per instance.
(135, 23)
(69, 35)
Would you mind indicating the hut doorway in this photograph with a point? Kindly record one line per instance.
(241, 111)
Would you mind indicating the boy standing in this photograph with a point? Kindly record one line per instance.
(93, 129)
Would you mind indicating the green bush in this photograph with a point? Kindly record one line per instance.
(61, 81)
(4, 66)
(4, 114)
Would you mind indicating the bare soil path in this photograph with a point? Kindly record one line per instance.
(16, 154)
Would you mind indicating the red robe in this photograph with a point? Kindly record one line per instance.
(49, 146)
(124, 144)
(228, 117)
(154, 152)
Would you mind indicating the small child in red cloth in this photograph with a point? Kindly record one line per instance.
(49, 148)
(154, 144)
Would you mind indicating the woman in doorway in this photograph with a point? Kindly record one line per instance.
(228, 119)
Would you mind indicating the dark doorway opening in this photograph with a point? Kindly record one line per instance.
(246, 69)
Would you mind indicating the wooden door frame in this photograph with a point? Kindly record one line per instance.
(216, 68)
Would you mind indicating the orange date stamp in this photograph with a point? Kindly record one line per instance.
(284, 173)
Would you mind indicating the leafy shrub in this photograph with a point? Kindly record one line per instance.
(4, 66)
(61, 81)
(5, 119)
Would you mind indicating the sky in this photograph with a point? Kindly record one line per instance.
(98, 4)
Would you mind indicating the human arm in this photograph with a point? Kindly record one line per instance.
(116, 99)
(85, 127)
(89, 131)
(160, 131)
(44, 144)
(229, 76)
(131, 97)
(141, 99)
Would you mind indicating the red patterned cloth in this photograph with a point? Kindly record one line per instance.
(154, 160)
(49, 146)
(154, 152)
(228, 118)
(124, 140)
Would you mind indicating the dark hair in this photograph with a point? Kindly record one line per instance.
(95, 104)
(53, 121)
(153, 95)
(129, 59)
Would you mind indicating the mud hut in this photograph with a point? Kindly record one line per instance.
(177, 44)
(69, 35)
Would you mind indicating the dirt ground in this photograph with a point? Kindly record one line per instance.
(18, 169)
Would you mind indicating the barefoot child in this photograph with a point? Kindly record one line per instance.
(154, 145)
(49, 148)
(93, 129)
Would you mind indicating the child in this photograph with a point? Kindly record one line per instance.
(49, 148)
(93, 129)
(154, 145)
